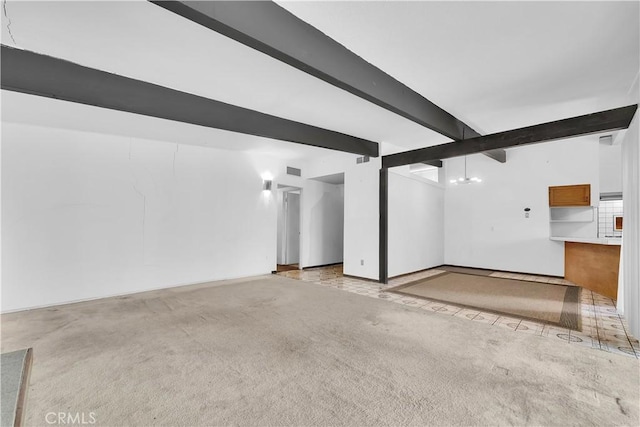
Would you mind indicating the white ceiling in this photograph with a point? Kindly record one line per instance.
(143, 41)
(496, 66)
(335, 179)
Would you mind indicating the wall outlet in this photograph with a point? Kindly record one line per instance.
(361, 262)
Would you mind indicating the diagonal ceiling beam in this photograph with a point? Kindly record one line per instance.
(271, 29)
(603, 121)
(36, 74)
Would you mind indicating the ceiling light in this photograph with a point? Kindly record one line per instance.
(465, 179)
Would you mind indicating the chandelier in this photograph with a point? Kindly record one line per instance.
(465, 179)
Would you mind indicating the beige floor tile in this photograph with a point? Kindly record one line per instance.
(584, 341)
(439, 308)
(545, 330)
(467, 314)
(590, 332)
(530, 327)
(508, 322)
(604, 346)
(578, 337)
(558, 333)
(622, 350)
(453, 309)
(484, 317)
(427, 304)
(617, 346)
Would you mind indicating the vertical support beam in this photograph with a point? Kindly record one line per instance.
(384, 227)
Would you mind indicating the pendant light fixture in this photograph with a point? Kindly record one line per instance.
(465, 179)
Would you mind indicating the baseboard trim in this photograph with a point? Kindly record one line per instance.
(502, 271)
(475, 268)
(321, 266)
(212, 282)
(360, 278)
(417, 271)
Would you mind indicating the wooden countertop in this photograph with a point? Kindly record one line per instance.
(615, 241)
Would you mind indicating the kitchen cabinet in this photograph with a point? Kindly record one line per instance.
(570, 195)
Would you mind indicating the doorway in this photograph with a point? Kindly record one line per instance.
(288, 257)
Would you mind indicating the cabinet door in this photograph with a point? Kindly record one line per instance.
(570, 195)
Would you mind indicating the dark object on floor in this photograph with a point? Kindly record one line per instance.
(15, 369)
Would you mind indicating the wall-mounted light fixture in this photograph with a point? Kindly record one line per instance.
(266, 184)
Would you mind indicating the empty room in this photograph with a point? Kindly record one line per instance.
(315, 213)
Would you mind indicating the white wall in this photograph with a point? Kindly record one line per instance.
(279, 196)
(485, 224)
(362, 214)
(610, 168)
(629, 301)
(416, 224)
(89, 215)
(322, 224)
(361, 211)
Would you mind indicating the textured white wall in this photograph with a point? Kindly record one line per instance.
(485, 224)
(629, 301)
(87, 215)
(322, 224)
(361, 210)
(280, 227)
(416, 224)
(610, 168)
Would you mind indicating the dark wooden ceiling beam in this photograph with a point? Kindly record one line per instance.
(274, 31)
(603, 121)
(36, 74)
(436, 163)
(498, 155)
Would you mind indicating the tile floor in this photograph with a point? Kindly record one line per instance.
(602, 327)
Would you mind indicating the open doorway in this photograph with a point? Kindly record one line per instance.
(288, 257)
(325, 239)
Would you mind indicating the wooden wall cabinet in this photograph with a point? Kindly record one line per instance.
(570, 195)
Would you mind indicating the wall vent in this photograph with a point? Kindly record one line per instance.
(364, 159)
(293, 171)
(607, 140)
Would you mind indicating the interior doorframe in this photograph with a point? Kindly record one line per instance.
(283, 189)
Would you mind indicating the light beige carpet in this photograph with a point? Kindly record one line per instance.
(275, 351)
(556, 304)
